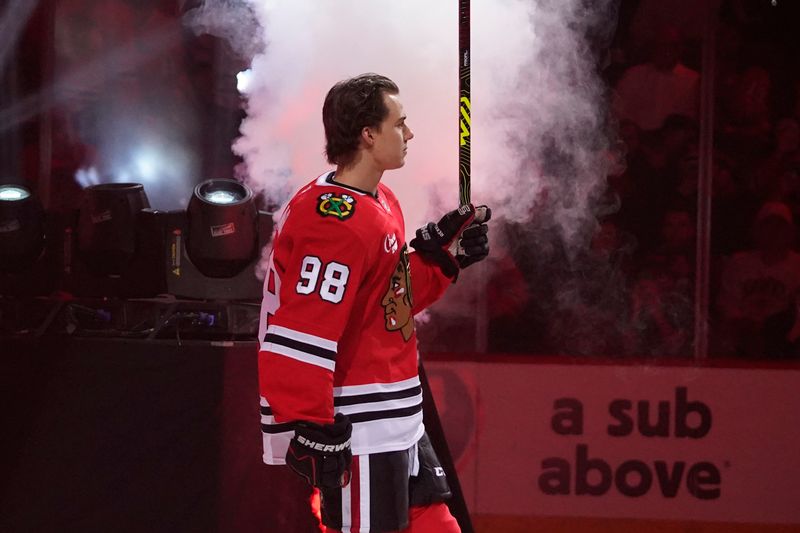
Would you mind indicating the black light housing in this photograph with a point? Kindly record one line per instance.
(223, 236)
(107, 226)
(21, 228)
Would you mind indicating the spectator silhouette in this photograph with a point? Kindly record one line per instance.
(652, 176)
(591, 305)
(770, 176)
(649, 92)
(661, 299)
(760, 283)
(744, 126)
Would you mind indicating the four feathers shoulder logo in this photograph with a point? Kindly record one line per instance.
(340, 206)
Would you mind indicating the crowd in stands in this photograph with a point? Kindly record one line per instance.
(633, 292)
(755, 269)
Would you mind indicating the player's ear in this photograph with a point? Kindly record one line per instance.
(367, 136)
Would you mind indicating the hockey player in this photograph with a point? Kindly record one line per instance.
(341, 401)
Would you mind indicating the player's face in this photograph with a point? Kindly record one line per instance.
(391, 138)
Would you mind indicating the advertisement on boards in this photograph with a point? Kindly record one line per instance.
(635, 442)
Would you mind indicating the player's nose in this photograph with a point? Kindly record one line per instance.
(409, 134)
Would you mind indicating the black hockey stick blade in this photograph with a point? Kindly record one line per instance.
(433, 427)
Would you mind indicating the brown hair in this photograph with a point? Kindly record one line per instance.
(350, 106)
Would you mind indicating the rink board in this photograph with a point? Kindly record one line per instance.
(567, 447)
(505, 524)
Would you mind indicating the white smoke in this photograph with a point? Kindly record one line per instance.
(537, 111)
(540, 138)
(311, 46)
(232, 20)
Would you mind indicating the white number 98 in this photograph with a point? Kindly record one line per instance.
(334, 280)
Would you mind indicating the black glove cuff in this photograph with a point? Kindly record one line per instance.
(321, 440)
(321, 453)
(426, 243)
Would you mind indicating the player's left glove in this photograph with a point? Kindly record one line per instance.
(321, 453)
(457, 241)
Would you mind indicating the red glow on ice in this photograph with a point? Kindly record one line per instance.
(316, 508)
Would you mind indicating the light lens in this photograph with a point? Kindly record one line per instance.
(244, 81)
(21, 228)
(222, 197)
(11, 193)
(223, 236)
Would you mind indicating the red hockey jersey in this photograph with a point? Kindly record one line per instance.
(337, 325)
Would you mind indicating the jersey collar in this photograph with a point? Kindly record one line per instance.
(328, 179)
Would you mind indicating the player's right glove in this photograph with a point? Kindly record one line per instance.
(457, 241)
(321, 454)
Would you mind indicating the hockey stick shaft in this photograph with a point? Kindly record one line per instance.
(433, 425)
(435, 430)
(464, 104)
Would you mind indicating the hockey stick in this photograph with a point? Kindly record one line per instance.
(464, 169)
(433, 425)
(435, 431)
(457, 504)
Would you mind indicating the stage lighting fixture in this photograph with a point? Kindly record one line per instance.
(107, 226)
(212, 249)
(21, 228)
(223, 228)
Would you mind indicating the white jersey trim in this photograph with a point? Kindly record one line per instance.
(374, 436)
(363, 493)
(323, 180)
(374, 432)
(347, 503)
(303, 337)
(300, 346)
(388, 435)
(352, 390)
(379, 406)
(298, 355)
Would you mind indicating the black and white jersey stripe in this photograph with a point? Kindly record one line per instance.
(385, 417)
(300, 346)
(363, 403)
(275, 436)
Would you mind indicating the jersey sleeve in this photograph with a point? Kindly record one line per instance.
(427, 281)
(315, 288)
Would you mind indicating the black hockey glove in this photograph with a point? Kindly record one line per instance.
(458, 240)
(321, 454)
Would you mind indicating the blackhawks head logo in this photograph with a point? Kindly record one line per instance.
(341, 206)
(397, 302)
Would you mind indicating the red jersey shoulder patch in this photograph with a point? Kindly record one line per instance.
(341, 206)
